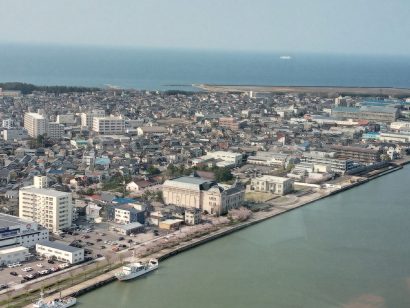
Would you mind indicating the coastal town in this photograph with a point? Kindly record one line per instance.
(94, 179)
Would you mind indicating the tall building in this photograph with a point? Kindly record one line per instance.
(7, 123)
(108, 125)
(50, 208)
(87, 118)
(36, 124)
(196, 192)
(55, 130)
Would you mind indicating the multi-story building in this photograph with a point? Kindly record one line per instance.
(219, 158)
(15, 231)
(270, 159)
(13, 255)
(192, 216)
(195, 192)
(50, 208)
(231, 123)
(272, 184)
(108, 125)
(35, 123)
(370, 113)
(7, 123)
(55, 130)
(60, 251)
(68, 118)
(15, 133)
(126, 213)
(328, 159)
(357, 154)
(87, 118)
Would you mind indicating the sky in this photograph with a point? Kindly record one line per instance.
(330, 26)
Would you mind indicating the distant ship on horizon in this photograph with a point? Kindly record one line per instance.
(285, 57)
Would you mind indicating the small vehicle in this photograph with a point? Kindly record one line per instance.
(102, 247)
(98, 255)
(10, 265)
(130, 241)
(3, 286)
(40, 265)
(98, 240)
(14, 273)
(54, 269)
(121, 238)
(50, 261)
(27, 269)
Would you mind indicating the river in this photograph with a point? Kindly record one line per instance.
(349, 250)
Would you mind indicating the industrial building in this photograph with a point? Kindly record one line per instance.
(60, 251)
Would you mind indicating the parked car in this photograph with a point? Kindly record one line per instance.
(121, 238)
(50, 261)
(14, 273)
(40, 265)
(27, 269)
(3, 286)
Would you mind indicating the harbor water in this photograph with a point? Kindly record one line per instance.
(349, 250)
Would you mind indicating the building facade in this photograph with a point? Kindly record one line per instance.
(50, 208)
(13, 255)
(36, 124)
(196, 192)
(272, 184)
(108, 125)
(61, 252)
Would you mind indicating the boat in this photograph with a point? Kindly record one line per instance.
(63, 302)
(137, 269)
(285, 57)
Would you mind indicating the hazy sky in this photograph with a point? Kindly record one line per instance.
(345, 26)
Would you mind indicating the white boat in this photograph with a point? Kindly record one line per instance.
(135, 270)
(285, 57)
(64, 302)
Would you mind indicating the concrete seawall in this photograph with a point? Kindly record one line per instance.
(258, 217)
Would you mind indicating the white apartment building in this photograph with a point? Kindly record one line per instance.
(108, 125)
(51, 208)
(196, 192)
(13, 255)
(88, 117)
(272, 184)
(55, 130)
(35, 123)
(60, 251)
(15, 231)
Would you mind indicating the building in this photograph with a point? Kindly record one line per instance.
(108, 125)
(370, 113)
(15, 231)
(126, 213)
(7, 123)
(192, 216)
(128, 229)
(15, 134)
(151, 130)
(68, 118)
(60, 251)
(270, 159)
(55, 130)
(87, 118)
(219, 159)
(35, 123)
(13, 255)
(357, 154)
(195, 192)
(230, 123)
(51, 208)
(272, 184)
(328, 159)
(170, 224)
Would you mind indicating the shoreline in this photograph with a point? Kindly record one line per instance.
(257, 217)
(320, 90)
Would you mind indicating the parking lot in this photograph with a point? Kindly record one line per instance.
(7, 278)
(98, 241)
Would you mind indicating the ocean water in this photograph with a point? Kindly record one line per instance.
(168, 69)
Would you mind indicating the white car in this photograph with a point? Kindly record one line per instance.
(17, 264)
(40, 265)
(10, 265)
(27, 269)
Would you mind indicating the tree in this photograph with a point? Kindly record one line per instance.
(153, 170)
(223, 174)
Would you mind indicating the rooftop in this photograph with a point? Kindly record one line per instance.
(45, 191)
(9, 220)
(59, 246)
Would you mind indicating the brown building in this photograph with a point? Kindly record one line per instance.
(230, 123)
(358, 154)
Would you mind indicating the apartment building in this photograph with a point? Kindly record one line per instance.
(87, 118)
(35, 123)
(219, 159)
(195, 192)
(230, 123)
(50, 208)
(370, 113)
(108, 125)
(358, 154)
(15, 133)
(328, 159)
(55, 130)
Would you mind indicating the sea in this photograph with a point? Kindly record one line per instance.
(162, 69)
